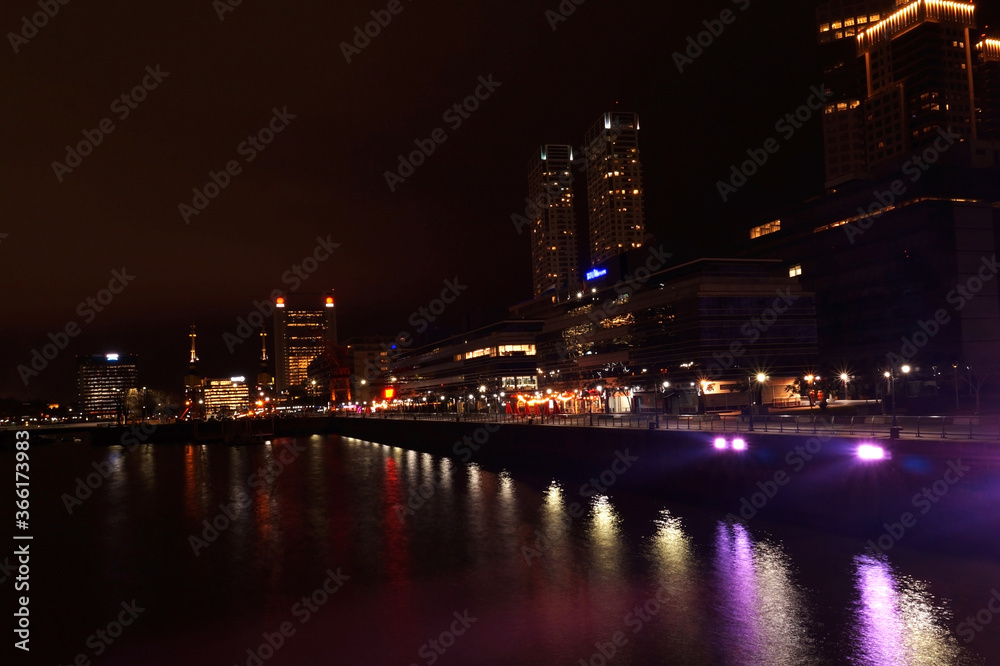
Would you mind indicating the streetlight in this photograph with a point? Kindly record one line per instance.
(844, 378)
(891, 376)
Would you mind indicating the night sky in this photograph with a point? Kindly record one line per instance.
(62, 235)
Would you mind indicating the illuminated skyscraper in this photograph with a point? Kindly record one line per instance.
(988, 87)
(553, 225)
(614, 186)
(103, 382)
(844, 143)
(919, 69)
(302, 331)
(912, 76)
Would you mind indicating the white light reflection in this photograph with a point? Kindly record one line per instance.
(678, 587)
(762, 615)
(605, 538)
(898, 621)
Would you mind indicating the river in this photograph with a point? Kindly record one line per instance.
(331, 550)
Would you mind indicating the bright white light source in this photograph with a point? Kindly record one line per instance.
(871, 452)
(739, 444)
(720, 442)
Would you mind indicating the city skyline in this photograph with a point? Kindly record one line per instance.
(150, 314)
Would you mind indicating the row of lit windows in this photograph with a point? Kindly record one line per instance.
(765, 229)
(846, 23)
(842, 106)
(515, 383)
(501, 350)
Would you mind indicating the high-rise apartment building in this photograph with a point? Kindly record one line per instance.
(614, 186)
(103, 382)
(838, 23)
(553, 225)
(919, 70)
(988, 87)
(302, 331)
(911, 75)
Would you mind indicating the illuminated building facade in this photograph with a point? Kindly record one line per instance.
(844, 140)
(910, 76)
(679, 326)
(614, 186)
(370, 357)
(499, 358)
(304, 326)
(553, 225)
(988, 87)
(103, 381)
(878, 269)
(226, 396)
(919, 69)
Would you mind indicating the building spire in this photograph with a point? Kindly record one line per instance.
(263, 345)
(193, 336)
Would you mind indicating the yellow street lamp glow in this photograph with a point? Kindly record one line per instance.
(761, 377)
(905, 369)
(886, 374)
(843, 376)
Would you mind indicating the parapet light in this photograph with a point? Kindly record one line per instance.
(871, 452)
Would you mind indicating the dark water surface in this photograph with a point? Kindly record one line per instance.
(494, 568)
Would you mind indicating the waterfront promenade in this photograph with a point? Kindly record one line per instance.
(984, 427)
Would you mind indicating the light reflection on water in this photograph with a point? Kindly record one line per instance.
(724, 593)
(898, 621)
(762, 617)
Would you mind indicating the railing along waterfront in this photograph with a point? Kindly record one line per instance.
(941, 427)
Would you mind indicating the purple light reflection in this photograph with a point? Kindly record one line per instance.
(899, 621)
(761, 617)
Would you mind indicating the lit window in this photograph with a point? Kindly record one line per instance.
(765, 229)
(795, 270)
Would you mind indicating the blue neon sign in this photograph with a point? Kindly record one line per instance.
(596, 273)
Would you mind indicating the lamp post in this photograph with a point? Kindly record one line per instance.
(891, 376)
(844, 378)
(761, 378)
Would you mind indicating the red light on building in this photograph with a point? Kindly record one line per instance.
(390, 393)
(329, 301)
(280, 301)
